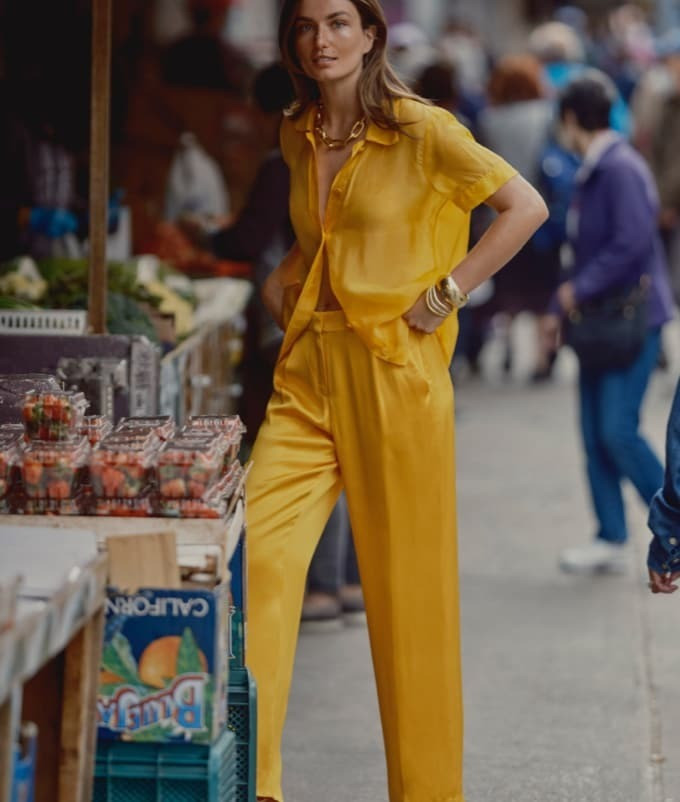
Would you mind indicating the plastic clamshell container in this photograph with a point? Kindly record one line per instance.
(54, 469)
(142, 507)
(53, 417)
(95, 428)
(187, 467)
(55, 506)
(162, 425)
(142, 441)
(122, 468)
(213, 504)
(10, 459)
(230, 426)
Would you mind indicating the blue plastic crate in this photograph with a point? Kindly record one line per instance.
(23, 780)
(242, 721)
(156, 772)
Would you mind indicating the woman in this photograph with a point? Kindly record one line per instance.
(381, 189)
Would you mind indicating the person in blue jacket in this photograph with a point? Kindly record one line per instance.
(613, 232)
(663, 560)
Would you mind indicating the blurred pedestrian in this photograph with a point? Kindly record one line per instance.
(381, 189)
(461, 46)
(261, 234)
(516, 125)
(615, 325)
(663, 559)
(439, 83)
(664, 157)
(334, 595)
(203, 59)
(409, 51)
(561, 50)
(43, 212)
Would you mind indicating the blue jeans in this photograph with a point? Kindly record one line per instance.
(615, 450)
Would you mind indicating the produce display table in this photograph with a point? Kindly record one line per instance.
(49, 664)
(189, 532)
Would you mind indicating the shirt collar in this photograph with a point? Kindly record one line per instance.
(374, 133)
(598, 147)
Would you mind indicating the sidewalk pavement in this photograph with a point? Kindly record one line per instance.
(572, 684)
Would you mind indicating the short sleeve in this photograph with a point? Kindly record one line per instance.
(459, 167)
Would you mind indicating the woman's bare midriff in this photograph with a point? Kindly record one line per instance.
(328, 164)
(327, 302)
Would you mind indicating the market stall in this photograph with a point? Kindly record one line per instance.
(166, 505)
(125, 341)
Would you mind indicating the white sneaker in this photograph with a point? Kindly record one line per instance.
(599, 556)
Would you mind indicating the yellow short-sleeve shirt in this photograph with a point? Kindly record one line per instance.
(397, 220)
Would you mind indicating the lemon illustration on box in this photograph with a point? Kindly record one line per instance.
(164, 668)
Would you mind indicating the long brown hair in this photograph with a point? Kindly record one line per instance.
(379, 85)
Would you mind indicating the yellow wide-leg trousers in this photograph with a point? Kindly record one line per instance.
(340, 416)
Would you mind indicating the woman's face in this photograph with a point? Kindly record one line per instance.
(330, 41)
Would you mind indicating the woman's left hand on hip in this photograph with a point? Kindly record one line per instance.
(420, 318)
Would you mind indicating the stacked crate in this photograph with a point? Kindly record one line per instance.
(242, 697)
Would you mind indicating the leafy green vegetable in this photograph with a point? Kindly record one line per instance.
(124, 316)
(9, 302)
(118, 659)
(68, 283)
(188, 656)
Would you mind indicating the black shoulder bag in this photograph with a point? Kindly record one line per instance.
(608, 333)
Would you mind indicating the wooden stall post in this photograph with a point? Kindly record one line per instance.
(78, 730)
(99, 161)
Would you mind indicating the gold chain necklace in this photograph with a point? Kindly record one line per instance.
(336, 144)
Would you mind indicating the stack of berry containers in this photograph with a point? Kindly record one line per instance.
(122, 473)
(212, 504)
(55, 457)
(187, 466)
(95, 428)
(229, 426)
(198, 472)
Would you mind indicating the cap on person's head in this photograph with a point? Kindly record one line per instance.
(406, 35)
(668, 44)
(590, 97)
(273, 89)
(556, 42)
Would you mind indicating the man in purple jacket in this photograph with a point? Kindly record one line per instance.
(614, 239)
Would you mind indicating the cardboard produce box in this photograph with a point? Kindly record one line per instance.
(164, 670)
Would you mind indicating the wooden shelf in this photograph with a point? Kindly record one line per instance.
(188, 531)
(49, 664)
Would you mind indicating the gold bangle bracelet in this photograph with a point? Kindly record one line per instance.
(435, 305)
(452, 292)
(437, 302)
